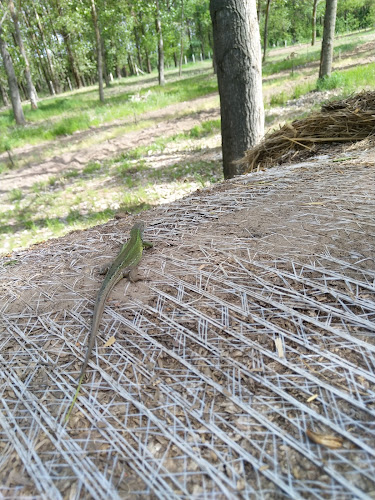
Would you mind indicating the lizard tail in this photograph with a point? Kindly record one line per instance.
(74, 399)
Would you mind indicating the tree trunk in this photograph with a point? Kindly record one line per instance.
(265, 34)
(326, 54)
(98, 50)
(12, 82)
(138, 45)
(181, 39)
(131, 65)
(35, 46)
(104, 59)
(239, 71)
(55, 81)
(313, 22)
(259, 10)
(31, 92)
(4, 94)
(64, 32)
(160, 46)
(71, 59)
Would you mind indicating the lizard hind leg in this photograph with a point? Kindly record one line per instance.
(132, 275)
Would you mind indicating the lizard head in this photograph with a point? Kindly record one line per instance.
(138, 226)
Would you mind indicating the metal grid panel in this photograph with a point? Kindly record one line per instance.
(236, 349)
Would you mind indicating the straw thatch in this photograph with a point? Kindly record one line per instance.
(346, 120)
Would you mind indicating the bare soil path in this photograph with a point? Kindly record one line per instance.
(171, 120)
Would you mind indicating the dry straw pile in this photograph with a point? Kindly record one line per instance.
(351, 119)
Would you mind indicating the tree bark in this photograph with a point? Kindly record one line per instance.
(4, 94)
(64, 32)
(104, 59)
(265, 34)
(54, 79)
(326, 54)
(313, 22)
(31, 92)
(12, 82)
(160, 45)
(98, 49)
(181, 39)
(35, 46)
(259, 10)
(138, 46)
(239, 73)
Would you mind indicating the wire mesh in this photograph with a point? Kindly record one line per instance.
(252, 332)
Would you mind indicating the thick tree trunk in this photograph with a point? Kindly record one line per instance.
(313, 22)
(98, 49)
(326, 54)
(31, 92)
(265, 34)
(12, 81)
(160, 45)
(4, 94)
(239, 72)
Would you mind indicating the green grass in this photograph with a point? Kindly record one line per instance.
(15, 195)
(275, 62)
(346, 80)
(349, 80)
(63, 115)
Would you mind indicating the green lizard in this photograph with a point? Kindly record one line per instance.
(123, 266)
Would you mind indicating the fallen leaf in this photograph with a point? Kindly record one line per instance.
(110, 341)
(328, 440)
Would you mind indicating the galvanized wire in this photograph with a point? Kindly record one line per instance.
(242, 341)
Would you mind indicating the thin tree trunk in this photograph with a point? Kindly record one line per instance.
(55, 82)
(138, 45)
(71, 58)
(259, 10)
(148, 60)
(98, 50)
(131, 65)
(104, 58)
(12, 82)
(35, 45)
(160, 45)
(239, 73)
(326, 54)
(265, 34)
(31, 92)
(181, 38)
(313, 22)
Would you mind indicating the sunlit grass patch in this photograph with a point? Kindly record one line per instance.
(349, 80)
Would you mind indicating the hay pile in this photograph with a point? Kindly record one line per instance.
(351, 119)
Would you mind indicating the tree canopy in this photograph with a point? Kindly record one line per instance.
(60, 42)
